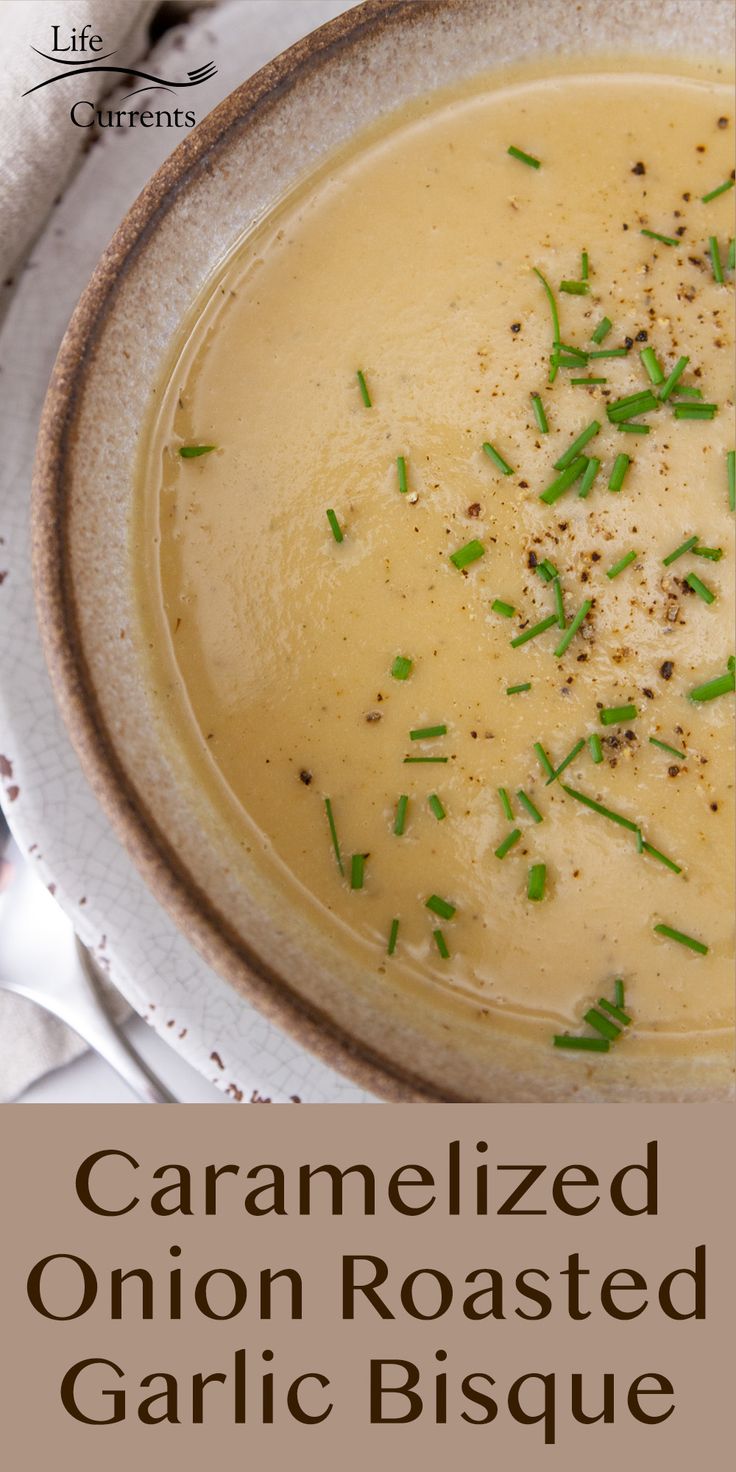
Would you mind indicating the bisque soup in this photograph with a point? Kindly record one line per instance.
(435, 549)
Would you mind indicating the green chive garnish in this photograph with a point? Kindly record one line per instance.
(722, 685)
(715, 257)
(506, 610)
(672, 751)
(613, 715)
(614, 1011)
(618, 993)
(610, 353)
(333, 834)
(649, 362)
(363, 386)
(539, 414)
(563, 482)
(596, 750)
(688, 392)
(559, 603)
(436, 807)
(607, 1029)
(555, 319)
(673, 379)
(583, 1045)
(531, 633)
(695, 411)
(664, 239)
(575, 288)
(401, 667)
(572, 452)
(543, 759)
(518, 689)
(547, 570)
(357, 870)
(524, 158)
(714, 193)
(498, 460)
(400, 819)
(441, 944)
(731, 474)
(440, 907)
(631, 405)
(619, 566)
(618, 474)
(732, 254)
(191, 452)
(626, 428)
(591, 470)
(467, 554)
(684, 940)
(571, 755)
(393, 936)
(602, 330)
(584, 266)
(527, 803)
(401, 472)
(702, 589)
(579, 354)
(508, 843)
(679, 551)
(586, 382)
(536, 882)
(655, 853)
(572, 628)
(417, 760)
(508, 811)
(714, 554)
(597, 807)
(335, 527)
(427, 733)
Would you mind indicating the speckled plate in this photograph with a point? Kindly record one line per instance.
(239, 161)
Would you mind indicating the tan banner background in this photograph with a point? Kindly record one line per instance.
(43, 1148)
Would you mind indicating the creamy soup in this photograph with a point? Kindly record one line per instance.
(434, 504)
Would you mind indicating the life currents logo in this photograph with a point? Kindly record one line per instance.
(76, 52)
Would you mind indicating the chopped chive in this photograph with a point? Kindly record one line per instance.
(536, 882)
(335, 527)
(607, 1029)
(583, 1045)
(695, 411)
(650, 363)
(613, 715)
(427, 733)
(714, 554)
(363, 386)
(539, 414)
(618, 993)
(702, 589)
(622, 563)
(400, 819)
(678, 552)
(441, 944)
(614, 1011)
(584, 266)
(688, 392)
(436, 807)
(543, 759)
(579, 354)
(531, 633)
(673, 379)
(684, 940)
(610, 353)
(498, 460)
(547, 570)
(618, 474)
(440, 907)
(401, 667)
(731, 476)
(524, 158)
(518, 689)
(665, 239)
(596, 750)
(555, 319)
(681, 755)
(656, 854)
(591, 470)
(508, 811)
(714, 193)
(559, 603)
(598, 807)
(602, 330)
(571, 755)
(467, 554)
(563, 482)
(573, 450)
(575, 288)
(357, 870)
(715, 258)
(393, 937)
(722, 685)
(417, 760)
(401, 473)
(627, 428)
(527, 803)
(333, 834)
(586, 382)
(732, 254)
(631, 405)
(506, 610)
(508, 843)
(572, 628)
(192, 452)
